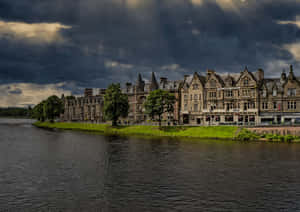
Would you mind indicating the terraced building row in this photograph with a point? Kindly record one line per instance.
(245, 98)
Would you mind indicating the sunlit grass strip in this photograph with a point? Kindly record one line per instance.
(217, 132)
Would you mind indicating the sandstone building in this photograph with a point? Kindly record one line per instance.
(245, 98)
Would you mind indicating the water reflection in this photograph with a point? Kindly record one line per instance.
(73, 171)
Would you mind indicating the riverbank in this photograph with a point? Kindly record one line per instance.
(211, 132)
(200, 132)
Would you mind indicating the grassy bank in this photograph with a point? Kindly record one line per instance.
(214, 132)
(207, 132)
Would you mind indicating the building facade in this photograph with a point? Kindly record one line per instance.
(88, 108)
(137, 94)
(245, 98)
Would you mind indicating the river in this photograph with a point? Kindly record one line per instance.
(49, 170)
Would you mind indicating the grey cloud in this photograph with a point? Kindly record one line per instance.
(146, 37)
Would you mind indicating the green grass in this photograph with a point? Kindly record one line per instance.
(215, 132)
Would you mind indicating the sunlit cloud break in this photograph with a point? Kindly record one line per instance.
(33, 32)
(24, 94)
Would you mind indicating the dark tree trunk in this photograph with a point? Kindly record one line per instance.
(114, 123)
(159, 121)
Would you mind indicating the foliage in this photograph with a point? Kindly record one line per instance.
(38, 111)
(15, 112)
(52, 107)
(48, 109)
(247, 135)
(159, 102)
(115, 104)
(280, 138)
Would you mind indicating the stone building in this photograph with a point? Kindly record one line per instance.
(137, 94)
(247, 98)
(88, 108)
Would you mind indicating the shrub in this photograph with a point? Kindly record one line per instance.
(247, 135)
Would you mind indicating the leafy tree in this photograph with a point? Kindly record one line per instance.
(48, 109)
(115, 104)
(159, 102)
(38, 111)
(52, 107)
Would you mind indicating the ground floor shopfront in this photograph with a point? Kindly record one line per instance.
(247, 119)
(220, 119)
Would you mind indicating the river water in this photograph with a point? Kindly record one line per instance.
(44, 170)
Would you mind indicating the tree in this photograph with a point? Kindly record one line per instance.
(48, 109)
(115, 104)
(159, 102)
(52, 107)
(38, 111)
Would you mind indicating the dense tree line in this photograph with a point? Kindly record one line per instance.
(16, 112)
(48, 109)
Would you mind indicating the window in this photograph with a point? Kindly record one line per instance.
(264, 93)
(195, 86)
(229, 93)
(246, 92)
(292, 92)
(274, 105)
(185, 97)
(274, 92)
(185, 107)
(265, 105)
(246, 81)
(212, 94)
(229, 118)
(191, 97)
(195, 97)
(195, 107)
(213, 83)
(199, 96)
(292, 105)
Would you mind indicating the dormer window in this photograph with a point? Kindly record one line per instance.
(291, 92)
(274, 92)
(195, 86)
(264, 93)
(246, 81)
(213, 83)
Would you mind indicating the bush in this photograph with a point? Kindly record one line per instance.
(247, 135)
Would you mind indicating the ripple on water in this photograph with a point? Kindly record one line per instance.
(73, 171)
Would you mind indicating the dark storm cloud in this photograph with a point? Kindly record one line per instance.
(146, 37)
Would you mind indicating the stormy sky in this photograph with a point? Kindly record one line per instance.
(61, 46)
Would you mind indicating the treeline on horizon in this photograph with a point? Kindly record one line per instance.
(16, 112)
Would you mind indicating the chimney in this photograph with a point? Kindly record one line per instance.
(88, 92)
(291, 74)
(261, 74)
(283, 76)
(185, 77)
(163, 80)
(128, 86)
(102, 91)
